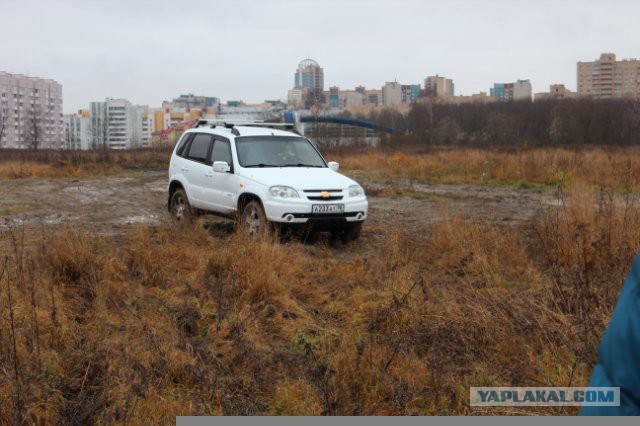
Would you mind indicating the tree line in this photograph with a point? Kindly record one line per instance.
(582, 121)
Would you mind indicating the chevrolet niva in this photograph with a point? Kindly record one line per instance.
(262, 176)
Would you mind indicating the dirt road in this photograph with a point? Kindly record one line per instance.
(110, 204)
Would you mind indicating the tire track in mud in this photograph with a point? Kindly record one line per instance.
(111, 204)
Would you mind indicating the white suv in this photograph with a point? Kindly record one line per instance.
(262, 175)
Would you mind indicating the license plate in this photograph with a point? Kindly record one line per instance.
(327, 208)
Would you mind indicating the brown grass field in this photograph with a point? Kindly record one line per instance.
(161, 320)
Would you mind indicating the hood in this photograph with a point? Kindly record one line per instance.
(299, 178)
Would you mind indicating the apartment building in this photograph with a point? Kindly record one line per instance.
(436, 86)
(77, 130)
(409, 93)
(116, 124)
(518, 91)
(391, 94)
(395, 94)
(608, 78)
(30, 112)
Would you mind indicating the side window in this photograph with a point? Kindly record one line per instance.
(199, 148)
(221, 152)
(183, 144)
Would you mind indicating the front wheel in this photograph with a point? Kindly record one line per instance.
(254, 220)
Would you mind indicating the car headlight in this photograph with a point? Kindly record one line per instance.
(283, 192)
(356, 191)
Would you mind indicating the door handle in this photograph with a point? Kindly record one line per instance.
(185, 169)
(209, 174)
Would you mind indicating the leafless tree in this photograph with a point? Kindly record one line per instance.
(32, 127)
(99, 128)
(3, 124)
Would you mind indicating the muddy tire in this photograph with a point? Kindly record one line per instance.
(181, 211)
(253, 220)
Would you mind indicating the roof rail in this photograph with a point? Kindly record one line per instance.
(231, 124)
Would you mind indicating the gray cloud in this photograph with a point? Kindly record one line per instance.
(148, 51)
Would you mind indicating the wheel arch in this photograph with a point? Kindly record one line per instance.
(244, 198)
(175, 184)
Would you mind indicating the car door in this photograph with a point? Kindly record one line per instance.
(222, 188)
(196, 169)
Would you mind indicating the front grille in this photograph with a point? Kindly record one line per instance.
(331, 198)
(315, 194)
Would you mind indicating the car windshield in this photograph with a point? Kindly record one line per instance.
(277, 151)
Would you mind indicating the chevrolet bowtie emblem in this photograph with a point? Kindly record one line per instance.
(325, 194)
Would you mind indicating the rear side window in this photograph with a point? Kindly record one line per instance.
(183, 144)
(221, 152)
(200, 147)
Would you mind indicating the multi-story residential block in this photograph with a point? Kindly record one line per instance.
(297, 96)
(346, 99)
(310, 75)
(77, 130)
(556, 91)
(518, 91)
(374, 97)
(608, 78)
(436, 86)
(30, 112)
(391, 94)
(116, 124)
(394, 94)
(410, 93)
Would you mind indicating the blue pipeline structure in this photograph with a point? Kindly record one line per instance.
(290, 117)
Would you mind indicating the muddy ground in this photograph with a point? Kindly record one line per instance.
(111, 204)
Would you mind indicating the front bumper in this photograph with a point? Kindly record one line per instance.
(297, 211)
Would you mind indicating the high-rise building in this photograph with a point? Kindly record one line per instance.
(391, 94)
(310, 75)
(410, 93)
(30, 112)
(394, 93)
(436, 86)
(77, 130)
(518, 91)
(116, 124)
(608, 78)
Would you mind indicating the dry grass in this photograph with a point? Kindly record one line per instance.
(614, 168)
(166, 321)
(19, 164)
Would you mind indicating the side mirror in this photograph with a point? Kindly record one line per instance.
(221, 167)
(334, 166)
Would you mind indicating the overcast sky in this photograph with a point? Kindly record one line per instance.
(149, 51)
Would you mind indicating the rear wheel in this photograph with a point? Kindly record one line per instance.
(254, 220)
(180, 207)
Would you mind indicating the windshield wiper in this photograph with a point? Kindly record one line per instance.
(262, 165)
(300, 165)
